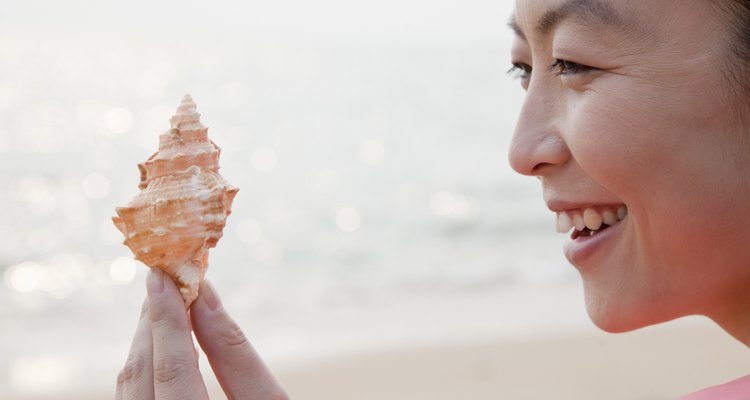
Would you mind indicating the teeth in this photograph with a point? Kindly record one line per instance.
(592, 219)
(578, 222)
(609, 217)
(564, 223)
(622, 212)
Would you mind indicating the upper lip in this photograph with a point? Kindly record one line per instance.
(559, 205)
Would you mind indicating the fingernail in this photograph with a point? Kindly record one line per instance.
(209, 296)
(155, 282)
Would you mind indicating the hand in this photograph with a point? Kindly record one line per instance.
(163, 362)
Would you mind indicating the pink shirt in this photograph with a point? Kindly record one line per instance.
(735, 390)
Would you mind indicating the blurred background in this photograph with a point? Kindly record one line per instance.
(377, 225)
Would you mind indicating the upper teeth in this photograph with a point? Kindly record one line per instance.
(590, 218)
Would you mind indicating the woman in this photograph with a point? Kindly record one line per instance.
(637, 123)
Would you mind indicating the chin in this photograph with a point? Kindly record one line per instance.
(614, 325)
(618, 317)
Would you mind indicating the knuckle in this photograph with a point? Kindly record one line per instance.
(162, 318)
(132, 371)
(234, 337)
(144, 309)
(171, 370)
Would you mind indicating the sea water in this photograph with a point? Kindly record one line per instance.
(376, 205)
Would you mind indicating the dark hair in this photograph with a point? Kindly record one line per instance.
(737, 13)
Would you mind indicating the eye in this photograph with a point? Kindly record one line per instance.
(520, 71)
(563, 67)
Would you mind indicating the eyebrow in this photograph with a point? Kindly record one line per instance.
(585, 10)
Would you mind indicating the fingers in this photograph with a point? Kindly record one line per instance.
(240, 371)
(135, 381)
(175, 365)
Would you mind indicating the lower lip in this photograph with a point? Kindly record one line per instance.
(579, 250)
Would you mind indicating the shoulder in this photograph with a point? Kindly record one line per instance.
(735, 390)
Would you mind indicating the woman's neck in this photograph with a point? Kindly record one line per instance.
(735, 319)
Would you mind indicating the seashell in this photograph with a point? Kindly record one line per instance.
(183, 204)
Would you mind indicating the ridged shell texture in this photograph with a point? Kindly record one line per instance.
(183, 204)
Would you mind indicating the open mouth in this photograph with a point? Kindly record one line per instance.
(589, 221)
(587, 232)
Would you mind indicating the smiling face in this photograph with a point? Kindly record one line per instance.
(628, 108)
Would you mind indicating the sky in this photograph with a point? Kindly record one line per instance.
(383, 17)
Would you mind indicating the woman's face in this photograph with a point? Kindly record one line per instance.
(628, 108)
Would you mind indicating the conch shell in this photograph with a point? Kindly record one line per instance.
(183, 204)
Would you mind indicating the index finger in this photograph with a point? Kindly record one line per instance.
(176, 374)
(239, 369)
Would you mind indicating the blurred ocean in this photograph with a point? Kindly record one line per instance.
(376, 207)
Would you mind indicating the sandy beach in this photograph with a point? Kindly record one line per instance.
(660, 362)
(656, 363)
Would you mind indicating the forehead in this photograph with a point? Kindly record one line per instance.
(640, 20)
(540, 17)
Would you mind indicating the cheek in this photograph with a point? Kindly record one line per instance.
(666, 158)
(628, 137)
(612, 138)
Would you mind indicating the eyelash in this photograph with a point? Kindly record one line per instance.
(563, 67)
(520, 71)
(559, 67)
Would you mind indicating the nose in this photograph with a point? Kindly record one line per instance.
(537, 146)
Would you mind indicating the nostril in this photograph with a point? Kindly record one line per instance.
(540, 168)
(523, 158)
(537, 156)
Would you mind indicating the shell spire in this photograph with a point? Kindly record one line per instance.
(187, 111)
(183, 205)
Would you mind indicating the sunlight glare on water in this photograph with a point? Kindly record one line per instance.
(117, 120)
(454, 206)
(24, 277)
(347, 218)
(122, 270)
